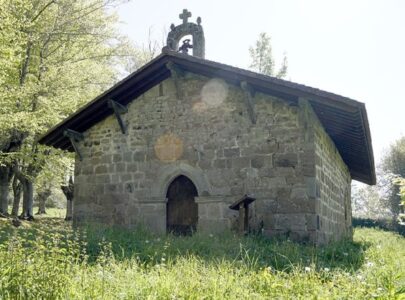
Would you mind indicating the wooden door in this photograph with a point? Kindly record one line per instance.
(182, 211)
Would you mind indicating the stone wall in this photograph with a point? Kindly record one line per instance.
(201, 128)
(333, 189)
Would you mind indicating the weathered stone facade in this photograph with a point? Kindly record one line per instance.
(333, 189)
(201, 128)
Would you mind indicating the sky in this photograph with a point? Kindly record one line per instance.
(351, 48)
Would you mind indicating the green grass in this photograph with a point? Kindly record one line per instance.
(46, 259)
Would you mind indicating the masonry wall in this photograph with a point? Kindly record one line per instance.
(201, 128)
(333, 189)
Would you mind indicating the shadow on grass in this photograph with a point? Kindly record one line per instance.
(384, 224)
(254, 252)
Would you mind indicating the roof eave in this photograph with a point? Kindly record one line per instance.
(156, 71)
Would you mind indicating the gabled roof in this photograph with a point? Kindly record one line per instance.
(344, 119)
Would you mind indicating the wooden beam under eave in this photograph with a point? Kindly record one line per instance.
(175, 73)
(249, 102)
(74, 137)
(118, 111)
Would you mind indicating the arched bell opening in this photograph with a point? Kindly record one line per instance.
(182, 210)
(186, 44)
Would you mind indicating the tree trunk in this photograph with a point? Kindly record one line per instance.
(28, 199)
(42, 197)
(4, 182)
(41, 206)
(17, 190)
(68, 191)
(69, 210)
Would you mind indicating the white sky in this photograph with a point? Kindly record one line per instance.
(352, 48)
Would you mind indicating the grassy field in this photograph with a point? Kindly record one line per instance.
(46, 259)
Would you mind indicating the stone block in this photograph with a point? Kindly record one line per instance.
(127, 157)
(113, 188)
(126, 177)
(265, 206)
(208, 154)
(87, 169)
(231, 152)
(299, 193)
(213, 226)
(240, 162)
(311, 221)
(269, 147)
(120, 167)
(101, 169)
(131, 167)
(293, 180)
(205, 164)
(190, 155)
(99, 189)
(257, 162)
(109, 201)
(213, 210)
(277, 172)
(139, 156)
(117, 158)
(220, 164)
(308, 170)
(303, 236)
(289, 207)
(95, 161)
(311, 186)
(102, 178)
(275, 182)
(129, 187)
(237, 190)
(292, 222)
(138, 175)
(285, 160)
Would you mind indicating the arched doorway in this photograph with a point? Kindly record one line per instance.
(182, 211)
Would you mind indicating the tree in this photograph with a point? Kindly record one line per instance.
(401, 217)
(68, 191)
(368, 203)
(141, 54)
(55, 56)
(394, 167)
(262, 58)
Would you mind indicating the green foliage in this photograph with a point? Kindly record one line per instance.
(401, 183)
(394, 168)
(262, 58)
(394, 160)
(47, 259)
(368, 203)
(55, 56)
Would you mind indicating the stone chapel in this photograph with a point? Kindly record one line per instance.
(186, 144)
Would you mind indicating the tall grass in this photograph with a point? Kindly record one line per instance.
(46, 259)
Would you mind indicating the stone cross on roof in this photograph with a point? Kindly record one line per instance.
(187, 28)
(185, 15)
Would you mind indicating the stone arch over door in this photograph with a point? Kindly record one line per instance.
(168, 173)
(181, 209)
